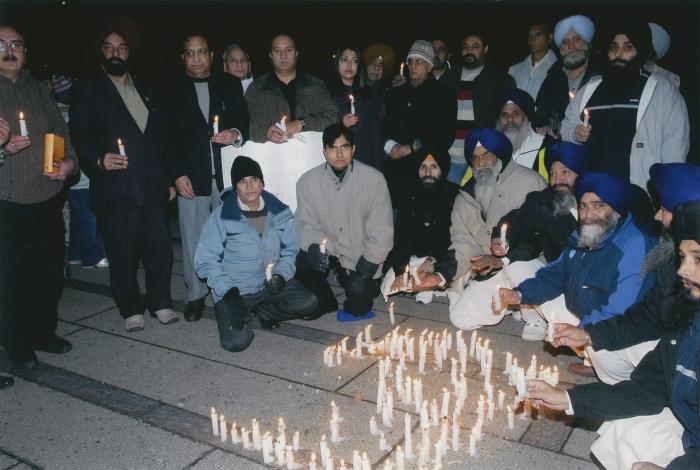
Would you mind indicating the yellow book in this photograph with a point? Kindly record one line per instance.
(53, 151)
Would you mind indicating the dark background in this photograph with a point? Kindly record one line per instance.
(61, 35)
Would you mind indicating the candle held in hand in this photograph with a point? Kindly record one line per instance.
(352, 104)
(122, 150)
(22, 125)
(504, 238)
(322, 246)
(586, 116)
(216, 125)
(268, 271)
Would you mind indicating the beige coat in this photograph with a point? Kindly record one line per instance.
(354, 215)
(471, 235)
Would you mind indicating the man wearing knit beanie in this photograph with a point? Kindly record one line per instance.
(628, 118)
(247, 252)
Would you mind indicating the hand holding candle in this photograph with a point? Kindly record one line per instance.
(268, 271)
(586, 117)
(22, 125)
(352, 103)
(216, 125)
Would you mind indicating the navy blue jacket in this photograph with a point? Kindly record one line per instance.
(597, 284)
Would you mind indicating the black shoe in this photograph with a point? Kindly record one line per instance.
(55, 345)
(193, 309)
(6, 382)
(269, 324)
(24, 361)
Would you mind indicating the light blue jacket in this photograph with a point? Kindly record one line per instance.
(231, 253)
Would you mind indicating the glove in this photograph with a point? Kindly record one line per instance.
(275, 284)
(355, 285)
(237, 307)
(318, 260)
(366, 269)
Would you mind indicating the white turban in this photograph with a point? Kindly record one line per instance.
(660, 40)
(579, 23)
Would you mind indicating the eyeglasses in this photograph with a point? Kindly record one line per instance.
(484, 157)
(596, 206)
(109, 49)
(440, 49)
(342, 148)
(535, 34)
(16, 46)
(234, 60)
(345, 60)
(196, 52)
(417, 62)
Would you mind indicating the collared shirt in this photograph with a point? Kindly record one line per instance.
(132, 100)
(528, 76)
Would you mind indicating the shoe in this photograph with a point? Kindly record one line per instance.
(55, 345)
(583, 370)
(534, 330)
(103, 263)
(25, 361)
(166, 316)
(74, 261)
(193, 309)
(134, 323)
(516, 315)
(6, 382)
(269, 324)
(425, 297)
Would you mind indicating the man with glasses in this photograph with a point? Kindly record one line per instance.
(344, 221)
(285, 92)
(31, 202)
(531, 72)
(117, 129)
(442, 58)
(420, 113)
(237, 63)
(198, 102)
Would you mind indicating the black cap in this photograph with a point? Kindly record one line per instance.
(243, 167)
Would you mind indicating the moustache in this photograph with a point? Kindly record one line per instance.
(620, 62)
(563, 186)
(468, 56)
(9, 58)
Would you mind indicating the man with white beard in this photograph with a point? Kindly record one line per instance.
(517, 107)
(499, 186)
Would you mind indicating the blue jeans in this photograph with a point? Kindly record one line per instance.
(84, 242)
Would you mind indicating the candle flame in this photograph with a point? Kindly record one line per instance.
(21, 115)
(407, 267)
(571, 95)
(269, 266)
(585, 112)
(216, 118)
(391, 305)
(119, 141)
(213, 410)
(504, 227)
(284, 118)
(352, 98)
(323, 242)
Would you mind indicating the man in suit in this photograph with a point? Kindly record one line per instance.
(130, 185)
(198, 104)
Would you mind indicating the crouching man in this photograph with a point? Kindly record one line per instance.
(247, 252)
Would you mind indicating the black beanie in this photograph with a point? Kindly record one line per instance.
(243, 167)
(686, 222)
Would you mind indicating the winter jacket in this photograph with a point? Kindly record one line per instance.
(597, 284)
(353, 215)
(663, 133)
(470, 233)
(534, 229)
(267, 104)
(22, 177)
(231, 253)
(646, 393)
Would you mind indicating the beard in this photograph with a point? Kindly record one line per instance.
(563, 201)
(660, 254)
(591, 233)
(486, 178)
(469, 61)
(620, 75)
(516, 134)
(428, 183)
(439, 64)
(115, 66)
(575, 59)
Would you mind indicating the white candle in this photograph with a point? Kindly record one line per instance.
(501, 399)
(472, 444)
(234, 434)
(438, 455)
(257, 439)
(407, 393)
(283, 124)
(120, 145)
(382, 442)
(290, 458)
(424, 419)
(405, 277)
(455, 432)
(391, 313)
(434, 418)
(322, 246)
(411, 348)
(550, 331)
(511, 423)
(246, 438)
(407, 436)
(268, 457)
(572, 95)
(22, 125)
(295, 441)
(356, 460)
(268, 271)
(586, 116)
(214, 422)
(368, 334)
(381, 387)
(335, 431)
(365, 462)
(509, 362)
(472, 344)
(504, 238)
(222, 429)
(312, 461)
(445, 402)
(401, 69)
(489, 414)
(373, 426)
(216, 125)
(555, 376)
(400, 459)
(352, 104)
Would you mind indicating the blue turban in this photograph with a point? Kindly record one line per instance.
(615, 192)
(660, 40)
(579, 23)
(521, 98)
(676, 183)
(491, 140)
(574, 157)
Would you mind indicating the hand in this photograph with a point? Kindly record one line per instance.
(319, 261)
(399, 151)
(428, 281)
(17, 144)
(397, 285)
(427, 266)
(238, 308)
(172, 193)
(61, 170)
(497, 248)
(485, 264)
(582, 133)
(115, 162)
(398, 80)
(541, 393)
(645, 466)
(543, 130)
(227, 137)
(276, 135)
(569, 335)
(275, 285)
(184, 187)
(355, 285)
(350, 120)
(4, 132)
(509, 297)
(293, 127)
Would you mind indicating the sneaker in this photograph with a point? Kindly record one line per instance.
(166, 315)
(517, 316)
(74, 261)
(134, 323)
(103, 263)
(534, 330)
(425, 297)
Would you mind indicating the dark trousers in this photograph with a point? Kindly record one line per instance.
(31, 273)
(235, 327)
(84, 242)
(133, 234)
(317, 282)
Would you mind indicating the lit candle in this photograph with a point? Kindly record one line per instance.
(411, 348)
(373, 426)
(365, 462)
(234, 434)
(322, 246)
(445, 402)
(407, 436)
(222, 429)
(283, 124)
(368, 335)
(555, 376)
(407, 399)
(335, 431)
(472, 444)
(382, 442)
(120, 145)
(391, 312)
(246, 438)
(268, 271)
(356, 460)
(504, 238)
(295, 441)
(472, 344)
(572, 95)
(400, 459)
(509, 362)
(290, 458)
(424, 419)
(489, 414)
(438, 454)
(216, 125)
(214, 422)
(586, 116)
(401, 69)
(22, 125)
(344, 344)
(455, 432)
(434, 418)
(511, 424)
(257, 440)
(405, 277)
(312, 461)
(352, 104)
(501, 398)
(550, 331)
